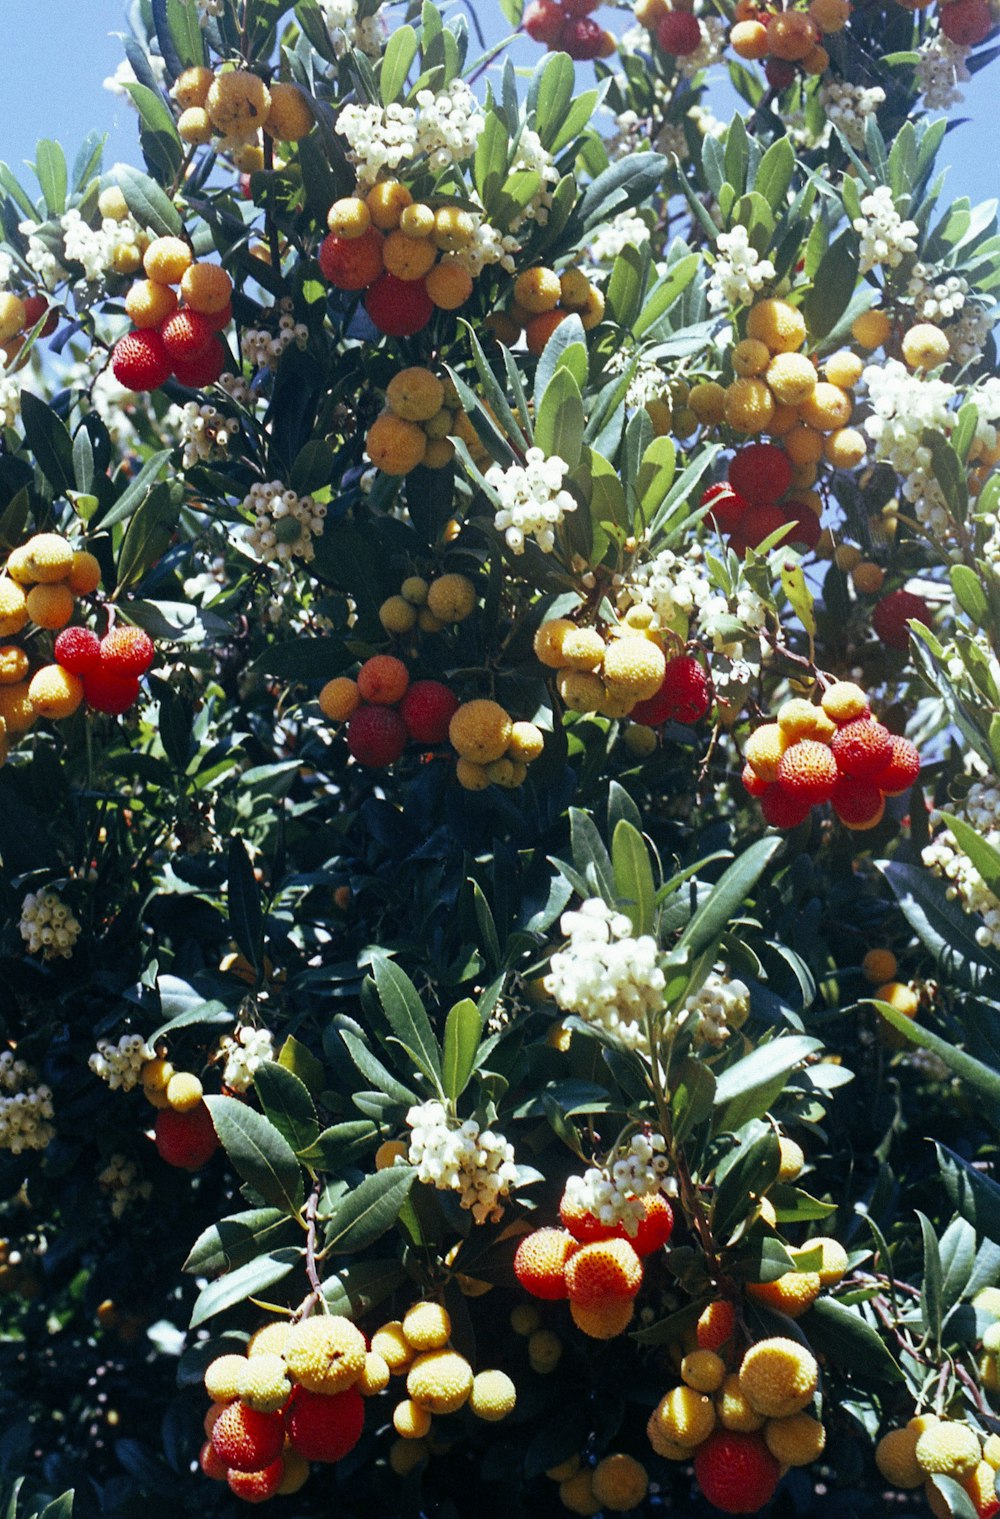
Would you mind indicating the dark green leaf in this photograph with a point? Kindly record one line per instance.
(358, 1289)
(462, 1030)
(48, 438)
(235, 1240)
(633, 872)
(982, 1077)
(246, 1281)
(341, 1145)
(849, 1341)
(728, 895)
(286, 1102)
(407, 1016)
(973, 1194)
(246, 914)
(365, 1214)
(259, 1152)
(150, 206)
(559, 423)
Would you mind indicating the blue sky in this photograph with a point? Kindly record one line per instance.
(57, 54)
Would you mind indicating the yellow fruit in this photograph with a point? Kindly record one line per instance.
(763, 750)
(867, 577)
(451, 598)
(879, 965)
(734, 1412)
(792, 378)
(991, 1451)
(416, 220)
(296, 1473)
(583, 649)
(415, 394)
(781, 326)
(449, 284)
(54, 692)
(410, 1421)
(844, 701)
(264, 1384)
(778, 1377)
(871, 329)
(544, 1351)
(640, 741)
(325, 1354)
(238, 103)
(480, 731)
(748, 40)
(799, 719)
(593, 312)
(397, 615)
(194, 126)
(406, 1455)
(844, 367)
(472, 777)
(703, 1370)
(222, 1378)
(549, 641)
(339, 699)
(13, 608)
(581, 690)
(391, 1344)
(792, 1294)
(394, 446)
(148, 303)
(50, 606)
(795, 1441)
(166, 259)
(816, 61)
(191, 88)
(751, 357)
(408, 258)
(899, 996)
(184, 1092)
(620, 1483)
(290, 115)
(386, 203)
(269, 1339)
(48, 558)
(440, 1381)
(828, 408)
(948, 1449)
(577, 1494)
(988, 1301)
(895, 1457)
(925, 346)
(454, 229)
(17, 566)
(749, 405)
(414, 590)
(526, 742)
(388, 1153)
(375, 1376)
(427, 1326)
(605, 1319)
(16, 709)
(708, 402)
(14, 664)
(683, 1416)
(349, 218)
(525, 1319)
(792, 1159)
(206, 288)
(13, 316)
(634, 668)
(537, 290)
(493, 1396)
(574, 290)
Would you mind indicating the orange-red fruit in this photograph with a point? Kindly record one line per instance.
(140, 361)
(808, 771)
(257, 1487)
(890, 619)
(188, 1140)
(427, 709)
(862, 748)
(352, 263)
(725, 505)
(783, 810)
(607, 1268)
(376, 736)
(679, 34)
(858, 804)
(110, 693)
(127, 651)
(584, 1226)
(399, 308)
(756, 524)
(322, 1427)
(247, 1440)
(383, 679)
(736, 1472)
(540, 1262)
(684, 697)
(211, 1463)
(186, 335)
(752, 781)
(760, 473)
(902, 769)
(78, 650)
(966, 22)
(715, 1325)
(655, 1227)
(204, 370)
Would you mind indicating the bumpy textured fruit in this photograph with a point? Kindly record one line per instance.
(325, 1354)
(808, 771)
(862, 749)
(715, 1324)
(981, 1488)
(238, 102)
(394, 446)
(537, 290)
(85, 573)
(800, 719)
(655, 1226)
(205, 369)
(605, 1319)
(634, 668)
(246, 1440)
(451, 598)
(606, 1268)
(14, 663)
(112, 694)
(480, 731)
(763, 751)
(844, 702)
(540, 1262)
(415, 394)
(736, 1472)
(54, 692)
(440, 1381)
(526, 743)
(427, 709)
(212, 1466)
(792, 1294)
(795, 1441)
(892, 615)
(47, 557)
(50, 606)
(410, 1421)
(222, 1377)
(290, 115)
(392, 1345)
(269, 1339)
(683, 1416)
(778, 1377)
(206, 288)
(620, 1483)
(684, 695)
(140, 361)
(375, 1377)
(781, 326)
(966, 22)
(183, 1092)
(257, 1487)
(733, 1410)
(339, 699)
(703, 1370)
(382, 680)
(263, 1383)
(879, 965)
(948, 1449)
(679, 34)
(544, 1351)
(324, 1428)
(399, 308)
(903, 767)
(749, 405)
(832, 1266)
(895, 1457)
(187, 1140)
(427, 1326)
(127, 651)
(493, 1396)
(352, 263)
(166, 259)
(576, 1493)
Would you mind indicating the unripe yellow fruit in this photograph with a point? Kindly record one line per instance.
(50, 606)
(581, 690)
(410, 1421)
(112, 204)
(611, 1316)
(791, 36)
(526, 743)
(13, 607)
(577, 1494)
(13, 315)
(394, 446)
(149, 303)
(871, 329)
(549, 641)
(639, 740)
(525, 1319)
(375, 1376)
(397, 615)
(792, 1159)
(734, 1412)
(683, 1416)
(472, 777)
(798, 719)
(451, 598)
(290, 115)
(948, 1449)
(391, 1344)
(54, 692)
(544, 1351)
(832, 1266)
(166, 259)
(194, 126)
(781, 326)
(480, 730)
(925, 346)
(708, 402)
(795, 1441)
(778, 1377)
(748, 39)
(349, 218)
(184, 1092)
(191, 88)
(263, 1383)
(14, 664)
(537, 290)
(386, 203)
(634, 668)
(414, 590)
(750, 357)
(339, 699)
(620, 1483)
(388, 1153)
(454, 229)
(763, 750)
(415, 394)
(427, 1326)
(449, 284)
(493, 1396)
(845, 448)
(844, 367)
(325, 1354)
(269, 1339)
(406, 1455)
(564, 1470)
(583, 649)
(749, 405)
(222, 1377)
(879, 965)
(792, 378)
(206, 288)
(440, 1381)
(408, 258)
(238, 103)
(844, 701)
(828, 408)
(703, 1370)
(48, 558)
(792, 1294)
(416, 220)
(895, 1457)
(899, 996)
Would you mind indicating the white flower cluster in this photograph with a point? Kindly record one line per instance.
(604, 974)
(647, 381)
(488, 246)
(236, 388)
(97, 249)
(940, 70)
(446, 127)
(903, 405)
(532, 500)
(967, 337)
(746, 606)
(674, 586)
(25, 1109)
(10, 399)
(244, 1056)
(40, 256)
(714, 36)
(461, 1157)
(120, 1065)
(533, 157)
(848, 107)
(204, 432)
(981, 809)
(120, 1179)
(47, 926)
(935, 299)
(263, 348)
(614, 1194)
(347, 31)
(284, 524)
(885, 237)
(719, 1007)
(626, 230)
(738, 273)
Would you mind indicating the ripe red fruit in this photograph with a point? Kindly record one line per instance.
(186, 334)
(966, 22)
(427, 709)
(757, 523)
(540, 1262)
(858, 804)
(324, 1427)
(543, 21)
(35, 307)
(188, 1140)
(736, 1472)
(684, 695)
(656, 1226)
(752, 781)
(580, 7)
(113, 694)
(220, 319)
(399, 308)
(246, 1440)
(139, 360)
(211, 1463)
(808, 771)
(893, 612)
(679, 34)
(779, 73)
(807, 529)
(126, 651)
(352, 263)
(376, 736)
(781, 809)
(582, 38)
(862, 748)
(902, 769)
(78, 650)
(724, 505)
(760, 473)
(205, 369)
(257, 1487)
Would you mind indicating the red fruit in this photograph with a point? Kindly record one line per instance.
(902, 769)
(324, 1427)
(758, 523)
(808, 771)
(966, 22)
(807, 529)
(543, 21)
(582, 38)
(113, 694)
(78, 650)
(781, 809)
(752, 781)
(540, 1262)
(580, 7)
(399, 308)
(655, 1227)
(725, 505)
(126, 651)
(212, 1464)
(186, 334)
(684, 695)
(858, 804)
(35, 307)
(862, 748)
(715, 1325)
(584, 1226)
(606, 1268)
(220, 319)
(188, 1140)
(427, 709)
(205, 369)
(352, 263)
(779, 73)
(760, 473)
(139, 360)
(679, 34)
(383, 679)
(736, 1472)
(893, 612)
(257, 1487)
(376, 736)
(246, 1440)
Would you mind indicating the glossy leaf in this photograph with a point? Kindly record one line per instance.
(259, 1152)
(369, 1211)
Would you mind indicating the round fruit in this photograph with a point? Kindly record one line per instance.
(427, 709)
(376, 736)
(140, 361)
(352, 263)
(892, 615)
(736, 1471)
(399, 308)
(188, 1140)
(760, 473)
(679, 34)
(540, 1262)
(126, 651)
(323, 1427)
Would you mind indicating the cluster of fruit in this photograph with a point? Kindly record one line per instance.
(103, 672)
(384, 711)
(788, 40)
(236, 106)
(543, 299)
(927, 1447)
(617, 1484)
(675, 28)
(567, 26)
(401, 252)
(628, 676)
(428, 605)
(184, 1134)
(19, 316)
(597, 1266)
(835, 753)
(741, 1419)
(169, 339)
(746, 504)
(414, 427)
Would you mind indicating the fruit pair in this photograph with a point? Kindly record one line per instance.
(108, 668)
(449, 598)
(169, 338)
(542, 300)
(413, 429)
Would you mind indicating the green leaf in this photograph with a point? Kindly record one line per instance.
(235, 1240)
(407, 1016)
(462, 1031)
(737, 155)
(948, 472)
(559, 424)
(774, 175)
(575, 119)
(179, 33)
(748, 1088)
(957, 1251)
(833, 286)
(930, 1291)
(147, 535)
(627, 183)
(590, 856)
(749, 1167)
(692, 1098)
(984, 857)
(48, 438)
(246, 914)
(634, 885)
(259, 1152)
(849, 1341)
(972, 1193)
(669, 288)
(365, 1214)
(942, 927)
(358, 1289)
(956, 1499)
(796, 588)
(313, 467)
(341, 1145)
(978, 1075)
(150, 205)
(305, 659)
(969, 594)
(50, 167)
(255, 1277)
(286, 1103)
(136, 491)
(301, 1061)
(551, 94)
(160, 141)
(400, 51)
(727, 896)
(656, 476)
(627, 284)
(492, 389)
